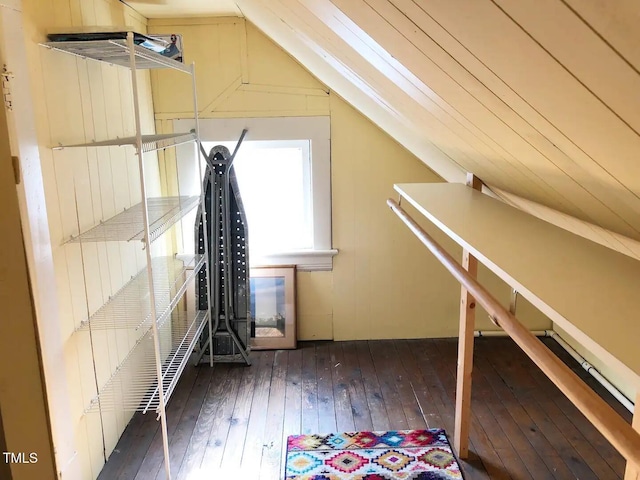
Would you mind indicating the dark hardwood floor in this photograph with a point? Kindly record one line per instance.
(231, 422)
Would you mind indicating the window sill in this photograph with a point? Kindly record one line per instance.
(304, 260)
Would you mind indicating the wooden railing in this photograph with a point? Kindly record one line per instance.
(612, 426)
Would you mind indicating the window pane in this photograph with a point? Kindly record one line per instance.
(275, 187)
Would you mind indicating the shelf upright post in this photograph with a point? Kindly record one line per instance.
(147, 245)
(205, 228)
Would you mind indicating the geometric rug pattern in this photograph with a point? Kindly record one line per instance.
(398, 454)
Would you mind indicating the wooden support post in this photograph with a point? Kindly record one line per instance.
(465, 349)
(632, 471)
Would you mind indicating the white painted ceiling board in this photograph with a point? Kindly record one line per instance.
(348, 84)
(579, 49)
(588, 289)
(413, 47)
(184, 8)
(616, 22)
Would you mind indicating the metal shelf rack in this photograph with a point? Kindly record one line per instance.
(150, 143)
(146, 378)
(119, 52)
(128, 225)
(134, 385)
(129, 308)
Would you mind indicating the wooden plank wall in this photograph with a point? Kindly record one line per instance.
(76, 101)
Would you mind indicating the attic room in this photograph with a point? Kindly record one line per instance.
(443, 194)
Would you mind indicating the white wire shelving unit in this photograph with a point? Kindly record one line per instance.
(151, 303)
(129, 307)
(134, 384)
(150, 143)
(128, 225)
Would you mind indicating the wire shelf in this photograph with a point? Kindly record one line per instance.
(128, 225)
(134, 385)
(116, 51)
(130, 307)
(150, 143)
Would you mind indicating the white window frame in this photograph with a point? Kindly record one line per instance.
(315, 129)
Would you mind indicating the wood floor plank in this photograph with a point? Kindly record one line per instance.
(133, 445)
(433, 412)
(608, 452)
(202, 430)
(423, 394)
(254, 443)
(179, 440)
(526, 391)
(355, 387)
(234, 422)
(214, 449)
(373, 393)
(406, 392)
(239, 422)
(521, 430)
(434, 398)
(154, 457)
(293, 394)
(381, 354)
(494, 420)
(579, 431)
(310, 419)
(483, 425)
(521, 445)
(341, 400)
(272, 454)
(485, 430)
(326, 404)
(144, 430)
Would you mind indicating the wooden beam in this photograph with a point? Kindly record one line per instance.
(465, 349)
(632, 472)
(612, 426)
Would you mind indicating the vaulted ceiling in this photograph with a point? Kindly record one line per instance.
(539, 98)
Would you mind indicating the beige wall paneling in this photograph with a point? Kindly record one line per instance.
(24, 396)
(172, 92)
(384, 285)
(78, 100)
(314, 305)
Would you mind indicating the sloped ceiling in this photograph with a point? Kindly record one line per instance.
(183, 8)
(539, 98)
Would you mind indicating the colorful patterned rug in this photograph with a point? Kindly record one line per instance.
(401, 454)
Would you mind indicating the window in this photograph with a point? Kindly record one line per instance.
(283, 170)
(275, 183)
